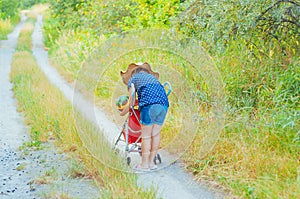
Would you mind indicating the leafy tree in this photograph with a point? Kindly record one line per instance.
(29, 3)
(68, 12)
(217, 22)
(136, 14)
(8, 8)
(1, 9)
(280, 22)
(110, 17)
(113, 13)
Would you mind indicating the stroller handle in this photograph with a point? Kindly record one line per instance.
(169, 87)
(132, 95)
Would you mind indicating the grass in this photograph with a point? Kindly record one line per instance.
(24, 43)
(5, 27)
(71, 57)
(77, 170)
(49, 176)
(21, 167)
(257, 155)
(55, 195)
(49, 114)
(43, 180)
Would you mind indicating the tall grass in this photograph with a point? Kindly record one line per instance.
(72, 55)
(24, 43)
(5, 28)
(7, 25)
(49, 114)
(257, 156)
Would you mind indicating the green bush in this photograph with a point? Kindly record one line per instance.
(111, 17)
(29, 3)
(262, 24)
(68, 13)
(119, 16)
(8, 8)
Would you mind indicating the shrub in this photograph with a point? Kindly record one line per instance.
(8, 8)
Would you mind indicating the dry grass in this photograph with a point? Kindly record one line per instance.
(25, 39)
(5, 28)
(39, 9)
(43, 180)
(35, 10)
(55, 195)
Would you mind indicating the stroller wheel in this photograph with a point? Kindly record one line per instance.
(157, 158)
(128, 160)
(140, 150)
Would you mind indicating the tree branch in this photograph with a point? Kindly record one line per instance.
(290, 21)
(274, 5)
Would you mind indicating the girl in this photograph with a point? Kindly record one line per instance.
(153, 106)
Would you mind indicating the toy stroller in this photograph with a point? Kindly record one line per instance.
(131, 131)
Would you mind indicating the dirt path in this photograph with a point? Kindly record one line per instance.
(13, 133)
(172, 181)
(24, 172)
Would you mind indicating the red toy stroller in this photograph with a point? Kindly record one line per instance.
(131, 131)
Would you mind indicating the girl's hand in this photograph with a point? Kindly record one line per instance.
(131, 102)
(124, 111)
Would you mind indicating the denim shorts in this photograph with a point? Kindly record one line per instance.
(153, 114)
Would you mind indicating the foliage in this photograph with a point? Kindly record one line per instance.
(259, 23)
(29, 3)
(51, 30)
(110, 17)
(94, 18)
(8, 17)
(8, 8)
(66, 16)
(73, 48)
(68, 13)
(119, 16)
(5, 28)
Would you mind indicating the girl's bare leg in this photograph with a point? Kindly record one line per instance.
(155, 142)
(146, 145)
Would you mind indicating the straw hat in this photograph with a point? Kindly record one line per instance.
(127, 75)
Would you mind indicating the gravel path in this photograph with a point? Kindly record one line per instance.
(30, 173)
(13, 132)
(172, 181)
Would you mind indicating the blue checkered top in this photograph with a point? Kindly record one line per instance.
(149, 89)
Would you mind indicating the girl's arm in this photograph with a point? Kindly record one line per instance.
(131, 103)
